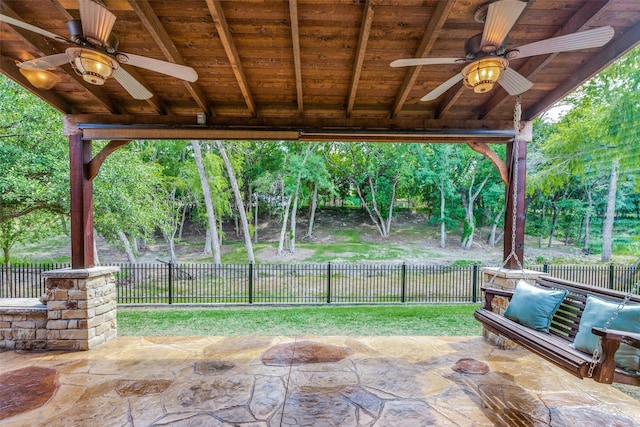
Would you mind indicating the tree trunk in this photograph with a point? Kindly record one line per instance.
(294, 209)
(136, 277)
(283, 230)
(7, 269)
(554, 223)
(587, 223)
(494, 226)
(207, 243)
(184, 215)
(607, 228)
(96, 259)
(255, 222)
(443, 227)
(469, 220)
(312, 210)
(206, 191)
(171, 247)
(239, 203)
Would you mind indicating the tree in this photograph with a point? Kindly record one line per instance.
(206, 192)
(239, 203)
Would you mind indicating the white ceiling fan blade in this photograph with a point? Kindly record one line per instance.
(514, 83)
(131, 85)
(501, 16)
(97, 21)
(45, 62)
(434, 94)
(33, 28)
(410, 62)
(169, 68)
(583, 40)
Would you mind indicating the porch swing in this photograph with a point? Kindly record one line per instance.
(590, 332)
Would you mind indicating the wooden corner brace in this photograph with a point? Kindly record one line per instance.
(93, 167)
(486, 151)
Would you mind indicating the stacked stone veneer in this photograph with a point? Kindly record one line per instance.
(77, 312)
(500, 278)
(81, 307)
(23, 325)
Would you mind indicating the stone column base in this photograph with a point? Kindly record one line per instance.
(81, 307)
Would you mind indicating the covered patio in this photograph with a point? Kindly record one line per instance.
(305, 70)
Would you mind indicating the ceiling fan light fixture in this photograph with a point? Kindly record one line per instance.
(40, 79)
(482, 75)
(94, 67)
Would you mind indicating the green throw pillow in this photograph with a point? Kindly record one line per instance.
(596, 313)
(533, 306)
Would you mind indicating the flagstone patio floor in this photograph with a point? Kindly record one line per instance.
(301, 381)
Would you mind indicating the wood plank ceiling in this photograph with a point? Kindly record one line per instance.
(310, 69)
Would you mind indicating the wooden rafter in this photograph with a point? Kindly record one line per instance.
(215, 8)
(614, 50)
(436, 23)
(161, 37)
(579, 21)
(295, 40)
(365, 30)
(95, 93)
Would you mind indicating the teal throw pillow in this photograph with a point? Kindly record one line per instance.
(596, 313)
(533, 306)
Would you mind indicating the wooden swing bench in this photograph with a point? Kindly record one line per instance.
(555, 346)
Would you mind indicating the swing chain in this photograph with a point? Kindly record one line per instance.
(517, 114)
(595, 360)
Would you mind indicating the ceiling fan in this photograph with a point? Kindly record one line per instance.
(487, 56)
(95, 56)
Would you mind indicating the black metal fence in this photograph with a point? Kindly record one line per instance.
(204, 283)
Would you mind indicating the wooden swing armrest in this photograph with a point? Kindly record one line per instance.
(489, 293)
(624, 337)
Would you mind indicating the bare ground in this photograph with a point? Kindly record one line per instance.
(411, 231)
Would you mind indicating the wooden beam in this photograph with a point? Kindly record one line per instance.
(95, 94)
(450, 98)
(434, 28)
(93, 167)
(295, 40)
(610, 53)
(155, 28)
(486, 151)
(365, 31)
(81, 192)
(215, 8)
(579, 21)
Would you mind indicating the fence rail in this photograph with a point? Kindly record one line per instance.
(204, 283)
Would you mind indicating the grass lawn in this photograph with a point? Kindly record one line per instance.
(430, 320)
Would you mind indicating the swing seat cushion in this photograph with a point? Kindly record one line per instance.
(596, 313)
(533, 306)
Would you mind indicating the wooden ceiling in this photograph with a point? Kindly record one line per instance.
(310, 69)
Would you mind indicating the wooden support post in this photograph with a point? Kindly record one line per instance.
(81, 203)
(520, 201)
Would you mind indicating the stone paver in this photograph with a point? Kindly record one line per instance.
(301, 381)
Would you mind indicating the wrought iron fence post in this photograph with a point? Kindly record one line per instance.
(250, 283)
(329, 282)
(403, 281)
(170, 282)
(545, 268)
(475, 283)
(611, 275)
